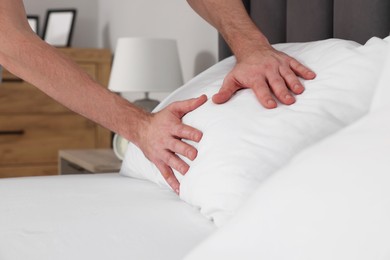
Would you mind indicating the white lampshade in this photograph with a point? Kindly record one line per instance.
(145, 65)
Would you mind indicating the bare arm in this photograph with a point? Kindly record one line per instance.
(259, 66)
(27, 56)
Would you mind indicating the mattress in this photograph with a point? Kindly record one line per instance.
(100, 216)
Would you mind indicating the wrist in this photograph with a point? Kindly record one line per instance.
(135, 128)
(249, 45)
(141, 125)
(245, 39)
(129, 121)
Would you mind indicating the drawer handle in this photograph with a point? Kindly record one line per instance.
(12, 132)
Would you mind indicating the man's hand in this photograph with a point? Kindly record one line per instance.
(161, 141)
(269, 73)
(259, 66)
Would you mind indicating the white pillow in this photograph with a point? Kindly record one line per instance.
(382, 93)
(243, 142)
(331, 202)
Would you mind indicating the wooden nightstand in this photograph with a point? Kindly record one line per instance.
(88, 161)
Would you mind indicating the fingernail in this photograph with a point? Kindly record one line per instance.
(288, 96)
(192, 155)
(197, 137)
(271, 103)
(177, 191)
(183, 170)
(311, 74)
(297, 87)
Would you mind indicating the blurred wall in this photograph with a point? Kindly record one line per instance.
(100, 23)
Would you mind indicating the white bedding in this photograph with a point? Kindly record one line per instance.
(243, 143)
(331, 202)
(102, 216)
(331, 199)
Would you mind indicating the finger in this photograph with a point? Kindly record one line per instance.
(187, 132)
(180, 108)
(264, 95)
(169, 177)
(301, 70)
(291, 80)
(280, 89)
(182, 148)
(229, 87)
(173, 161)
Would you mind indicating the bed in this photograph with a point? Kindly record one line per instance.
(315, 190)
(103, 216)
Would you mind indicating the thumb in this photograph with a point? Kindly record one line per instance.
(180, 108)
(229, 87)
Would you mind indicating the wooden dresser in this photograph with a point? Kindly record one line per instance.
(33, 127)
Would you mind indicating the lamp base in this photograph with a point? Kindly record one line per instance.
(146, 103)
(119, 145)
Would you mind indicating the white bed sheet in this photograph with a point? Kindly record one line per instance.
(101, 216)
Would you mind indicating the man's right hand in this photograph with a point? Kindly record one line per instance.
(161, 139)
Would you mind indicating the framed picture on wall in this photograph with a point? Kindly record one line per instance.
(59, 24)
(33, 20)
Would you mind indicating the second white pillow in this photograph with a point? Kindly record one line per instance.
(332, 201)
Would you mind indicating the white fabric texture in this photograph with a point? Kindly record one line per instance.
(382, 92)
(99, 217)
(331, 202)
(243, 142)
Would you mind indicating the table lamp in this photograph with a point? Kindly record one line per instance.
(144, 65)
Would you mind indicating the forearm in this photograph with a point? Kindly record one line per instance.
(158, 135)
(230, 18)
(28, 57)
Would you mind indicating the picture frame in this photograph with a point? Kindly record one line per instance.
(59, 25)
(33, 20)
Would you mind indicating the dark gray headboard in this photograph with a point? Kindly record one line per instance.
(309, 20)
